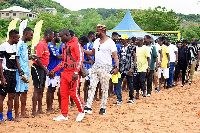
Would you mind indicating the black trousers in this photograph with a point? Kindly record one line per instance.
(139, 81)
(179, 67)
(149, 81)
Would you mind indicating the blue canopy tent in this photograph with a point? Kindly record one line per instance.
(129, 24)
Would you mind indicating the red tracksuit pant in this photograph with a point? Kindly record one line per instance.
(69, 88)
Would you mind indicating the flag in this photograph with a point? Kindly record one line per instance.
(22, 26)
(11, 26)
(36, 35)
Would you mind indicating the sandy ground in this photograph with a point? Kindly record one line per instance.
(173, 110)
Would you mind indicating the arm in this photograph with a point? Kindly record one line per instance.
(3, 80)
(149, 63)
(161, 56)
(176, 53)
(168, 64)
(91, 52)
(59, 57)
(115, 57)
(18, 66)
(134, 62)
(39, 62)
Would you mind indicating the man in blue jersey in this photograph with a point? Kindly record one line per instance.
(23, 68)
(54, 60)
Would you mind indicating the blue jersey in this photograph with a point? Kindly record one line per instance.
(53, 61)
(22, 53)
(88, 46)
(118, 45)
(60, 52)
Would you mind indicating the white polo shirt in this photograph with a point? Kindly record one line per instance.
(172, 48)
(104, 51)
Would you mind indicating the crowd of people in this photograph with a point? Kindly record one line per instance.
(113, 63)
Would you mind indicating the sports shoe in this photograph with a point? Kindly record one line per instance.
(182, 85)
(130, 102)
(158, 90)
(80, 116)
(148, 95)
(87, 110)
(118, 103)
(190, 83)
(102, 111)
(61, 118)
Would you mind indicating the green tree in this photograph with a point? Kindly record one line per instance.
(191, 31)
(4, 28)
(111, 22)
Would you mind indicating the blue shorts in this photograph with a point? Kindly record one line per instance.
(20, 86)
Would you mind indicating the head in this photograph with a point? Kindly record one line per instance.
(71, 33)
(129, 41)
(184, 42)
(194, 41)
(166, 41)
(48, 35)
(133, 40)
(65, 35)
(139, 41)
(83, 40)
(56, 37)
(100, 30)
(115, 36)
(91, 36)
(13, 37)
(160, 41)
(147, 39)
(178, 44)
(28, 34)
(124, 38)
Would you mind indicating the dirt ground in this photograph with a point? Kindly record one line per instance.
(173, 110)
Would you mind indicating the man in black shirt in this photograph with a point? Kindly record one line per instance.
(184, 58)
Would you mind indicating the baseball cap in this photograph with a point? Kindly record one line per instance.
(124, 36)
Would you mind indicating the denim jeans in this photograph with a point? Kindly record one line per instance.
(119, 87)
(171, 69)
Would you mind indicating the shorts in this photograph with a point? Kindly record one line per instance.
(88, 76)
(20, 86)
(38, 76)
(10, 77)
(165, 73)
(53, 82)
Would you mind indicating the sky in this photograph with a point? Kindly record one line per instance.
(179, 6)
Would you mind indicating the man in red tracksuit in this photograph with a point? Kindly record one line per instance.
(70, 77)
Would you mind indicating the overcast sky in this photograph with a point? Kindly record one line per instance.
(179, 6)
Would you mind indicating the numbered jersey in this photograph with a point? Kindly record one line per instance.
(8, 54)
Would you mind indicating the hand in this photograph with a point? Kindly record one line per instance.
(189, 66)
(3, 82)
(90, 62)
(74, 77)
(130, 71)
(159, 64)
(51, 74)
(168, 65)
(34, 57)
(148, 70)
(176, 63)
(156, 68)
(115, 71)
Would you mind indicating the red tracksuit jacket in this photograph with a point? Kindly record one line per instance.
(76, 50)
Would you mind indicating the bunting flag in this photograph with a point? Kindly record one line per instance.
(11, 26)
(36, 35)
(22, 26)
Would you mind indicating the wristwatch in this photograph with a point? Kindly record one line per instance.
(75, 72)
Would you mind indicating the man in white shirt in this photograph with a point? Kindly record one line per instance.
(173, 53)
(103, 48)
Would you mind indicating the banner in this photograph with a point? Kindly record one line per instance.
(22, 26)
(11, 26)
(36, 35)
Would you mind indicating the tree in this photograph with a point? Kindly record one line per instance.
(111, 22)
(191, 31)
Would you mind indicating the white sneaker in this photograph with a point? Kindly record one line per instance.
(80, 116)
(61, 118)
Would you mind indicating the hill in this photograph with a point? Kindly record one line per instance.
(32, 4)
